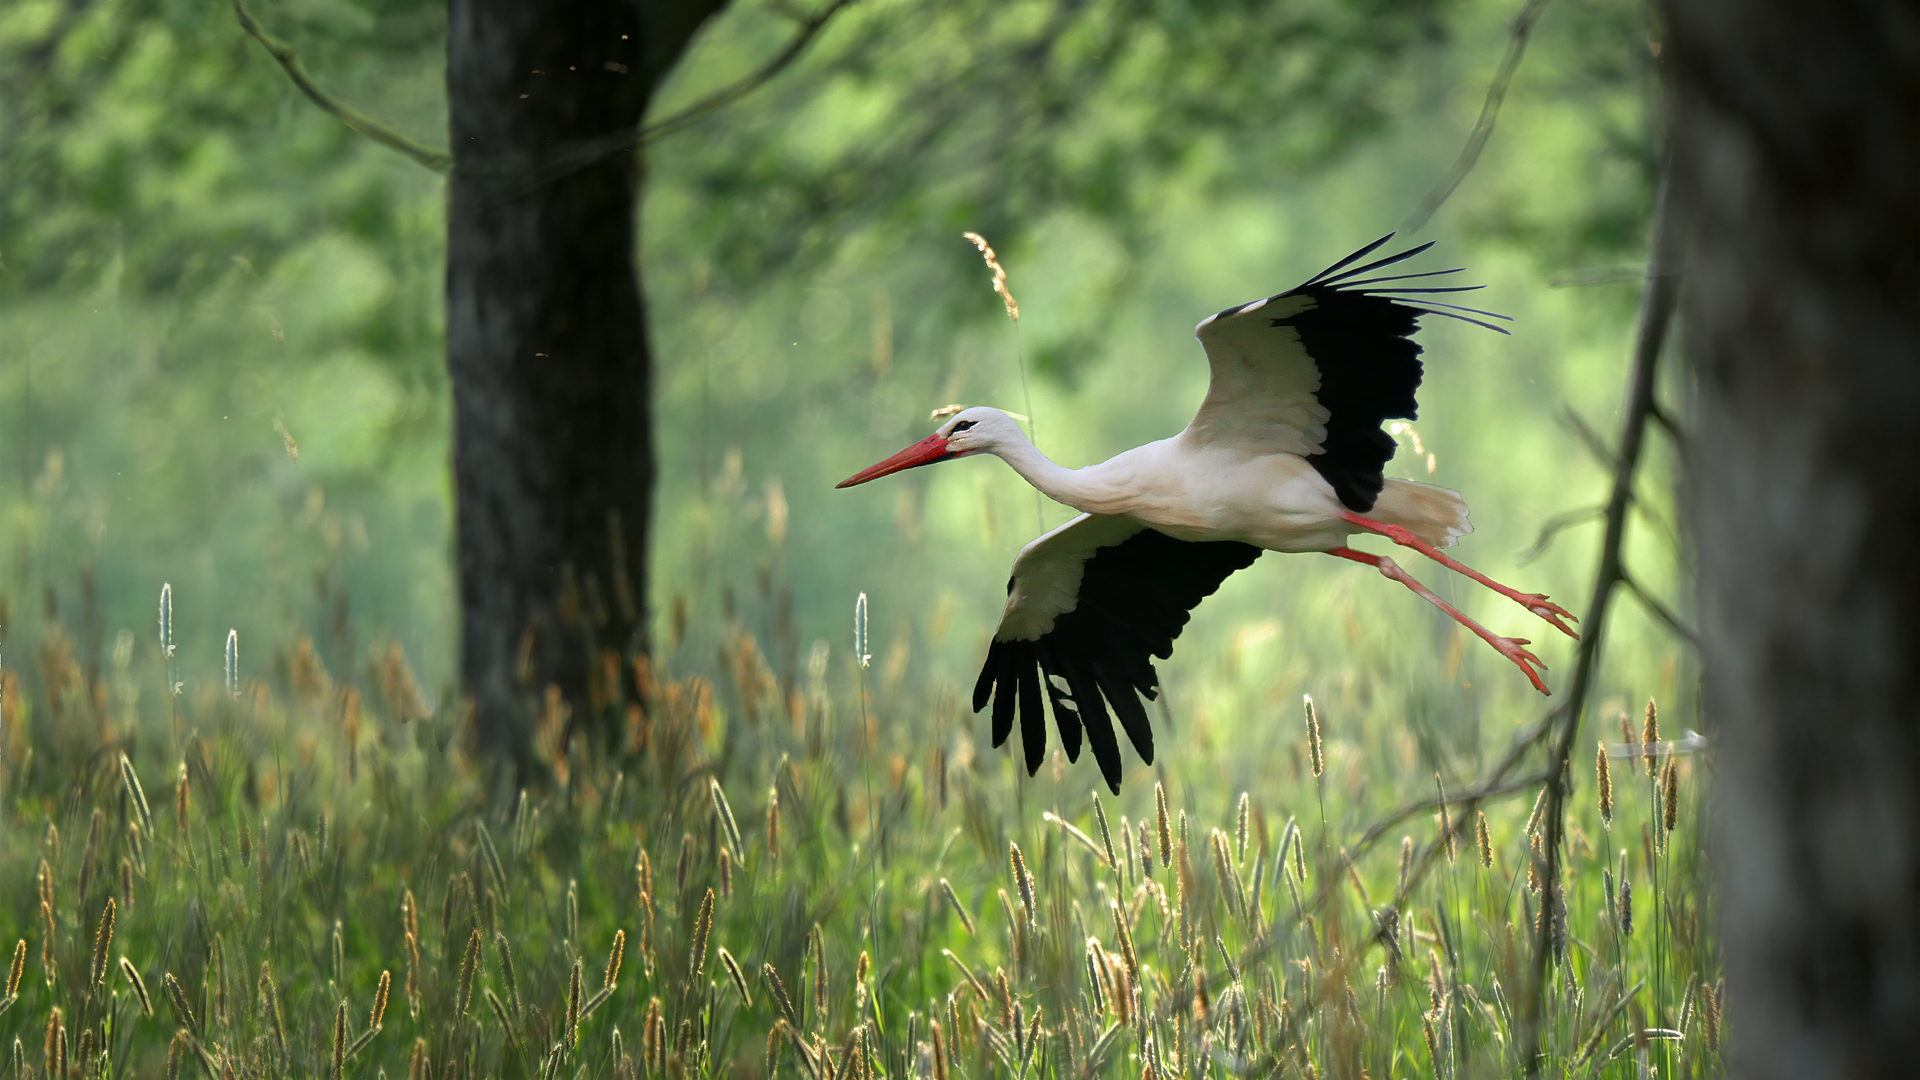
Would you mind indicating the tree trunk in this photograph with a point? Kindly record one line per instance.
(1799, 181)
(547, 349)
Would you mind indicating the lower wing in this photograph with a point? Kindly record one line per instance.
(1089, 605)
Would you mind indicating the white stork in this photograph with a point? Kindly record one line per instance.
(1285, 454)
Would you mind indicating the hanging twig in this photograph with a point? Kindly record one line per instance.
(571, 157)
(1656, 313)
(1521, 29)
(437, 160)
(1554, 525)
(810, 26)
(1660, 610)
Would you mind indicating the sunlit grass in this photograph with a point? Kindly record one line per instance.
(826, 876)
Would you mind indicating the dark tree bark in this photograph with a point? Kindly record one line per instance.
(1798, 174)
(547, 346)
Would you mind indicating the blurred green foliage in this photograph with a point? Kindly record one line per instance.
(221, 367)
(204, 273)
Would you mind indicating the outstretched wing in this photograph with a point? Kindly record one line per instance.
(1315, 371)
(1088, 607)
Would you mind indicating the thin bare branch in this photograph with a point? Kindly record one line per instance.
(1660, 610)
(1555, 524)
(437, 160)
(578, 154)
(1656, 314)
(810, 27)
(1521, 29)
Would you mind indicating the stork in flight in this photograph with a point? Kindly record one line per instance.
(1285, 454)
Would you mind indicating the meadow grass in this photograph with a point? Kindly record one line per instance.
(303, 874)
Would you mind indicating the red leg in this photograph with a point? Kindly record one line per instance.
(1511, 648)
(1534, 602)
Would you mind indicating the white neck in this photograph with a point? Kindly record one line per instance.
(1057, 482)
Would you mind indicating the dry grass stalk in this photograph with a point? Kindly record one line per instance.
(17, 970)
(1106, 836)
(702, 926)
(1539, 807)
(500, 1015)
(1021, 879)
(468, 966)
(780, 997)
(56, 1044)
(1406, 865)
(177, 997)
(139, 985)
(573, 1006)
(339, 1042)
(724, 811)
(1604, 772)
(1316, 754)
(1126, 942)
(1166, 826)
(1649, 735)
(738, 978)
(270, 1003)
(1670, 789)
(102, 940)
(136, 794)
(959, 909)
(773, 824)
(614, 957)
(999, 274)
(183, 801)
(979, 990)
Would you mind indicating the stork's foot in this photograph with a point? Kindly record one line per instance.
(1553, 613)
(1513, 648)
(1548, 610)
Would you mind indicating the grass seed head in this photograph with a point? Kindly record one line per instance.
(999, 274)
(102, 940)
(702, 926)
(468, 966)
(959, 909)
(573, 1006)
(339, 1042)
(380, 1001)
(737, 977)
(1650, 734)
(1106, 836)
(1485, 838)
(1021, 879)
(1316, 754)
(138, 984)
(780, 996)
(614, 956)
(1604, 772)
(1670, 790)
(1166, 826)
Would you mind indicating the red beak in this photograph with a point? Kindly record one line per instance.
(925, 452)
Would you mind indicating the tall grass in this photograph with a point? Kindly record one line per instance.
(827, 883)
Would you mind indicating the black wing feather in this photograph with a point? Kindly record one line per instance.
(1361, 340)
(1133, 601)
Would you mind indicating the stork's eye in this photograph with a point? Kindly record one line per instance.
(962, 426)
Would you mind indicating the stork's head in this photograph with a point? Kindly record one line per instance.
(978, 430)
